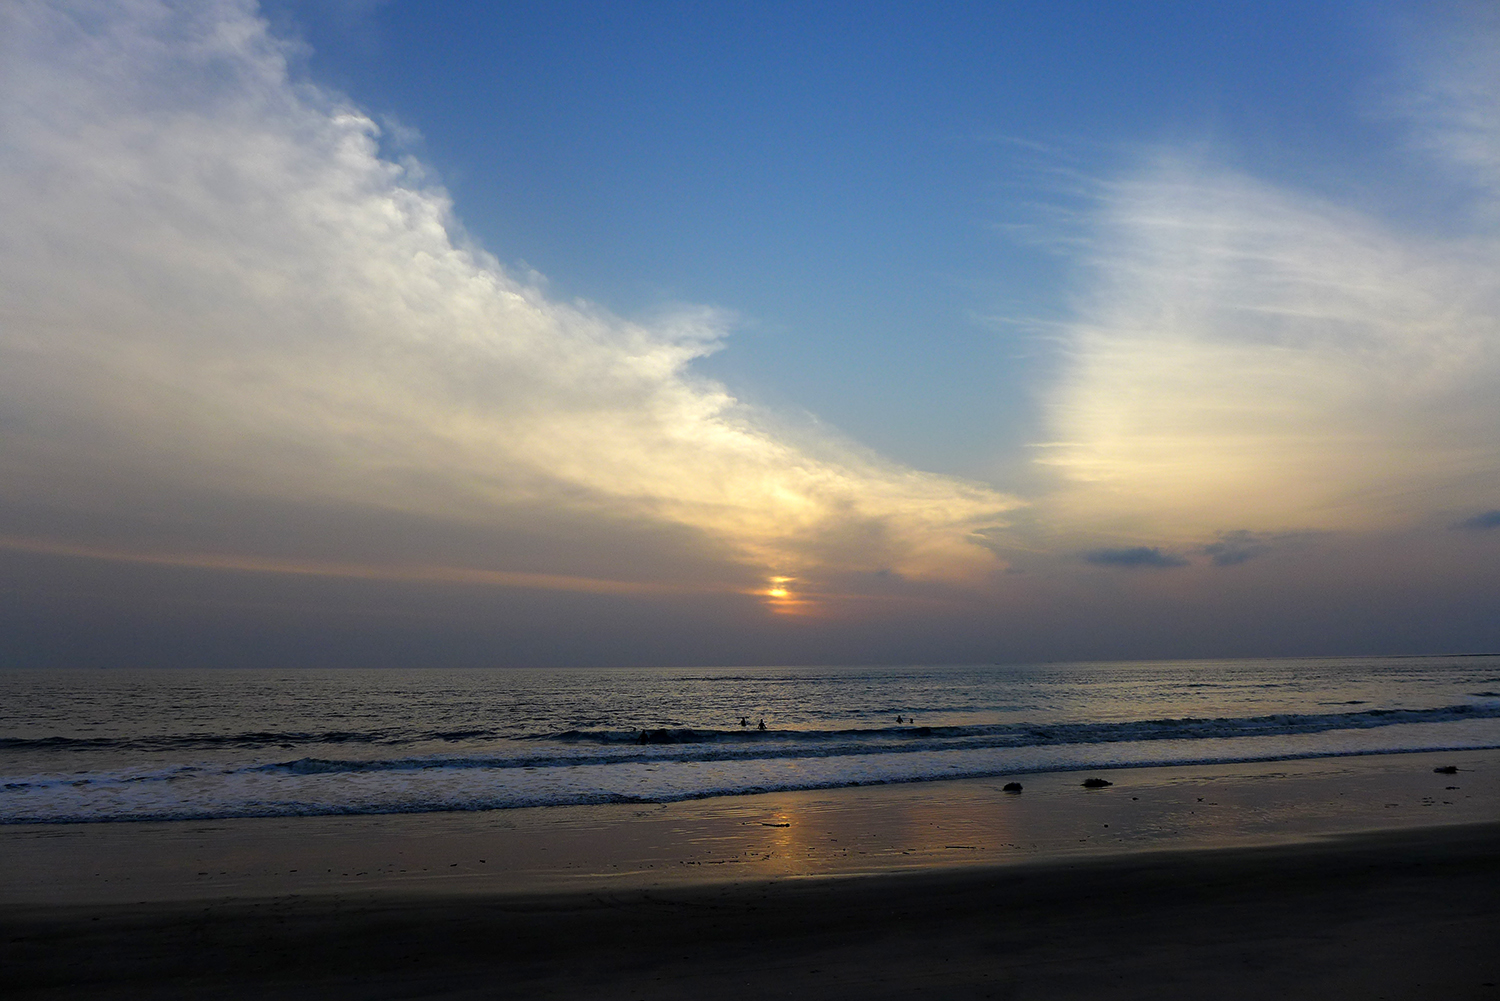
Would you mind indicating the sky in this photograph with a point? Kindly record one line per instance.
(355, 333)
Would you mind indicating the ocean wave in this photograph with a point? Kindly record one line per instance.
(1085, 732)
(625, 747)
(249, 740)
(709, 744)
(402, 799)
(730, 745)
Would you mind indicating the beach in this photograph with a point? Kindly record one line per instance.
(1371, 876)
(642, 501)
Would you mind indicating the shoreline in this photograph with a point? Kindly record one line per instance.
(1369, 877)
(858, 830)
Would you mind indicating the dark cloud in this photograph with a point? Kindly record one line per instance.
(1135, 556)
(1489, 519)
(1235, 547)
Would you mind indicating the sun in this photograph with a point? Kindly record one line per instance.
(780, 594)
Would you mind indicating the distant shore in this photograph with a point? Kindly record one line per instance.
(1296, 879)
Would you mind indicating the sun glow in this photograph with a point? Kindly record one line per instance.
(410, 373)
(780, 596)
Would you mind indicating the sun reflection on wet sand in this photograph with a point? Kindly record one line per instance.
(813, 833)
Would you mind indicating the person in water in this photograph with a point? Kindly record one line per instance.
(761, 725)
(744, 721)
(900, 720)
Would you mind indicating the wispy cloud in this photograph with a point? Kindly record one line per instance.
(305, 567)
(1254, 357)
(1233, 548)
(1454, 102)
(214, 285)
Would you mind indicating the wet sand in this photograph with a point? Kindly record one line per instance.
(1365, 877)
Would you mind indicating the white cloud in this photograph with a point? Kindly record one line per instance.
(212, 282)
(1252, 359)
(1455, 105)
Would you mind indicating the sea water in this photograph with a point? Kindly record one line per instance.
(118, 745)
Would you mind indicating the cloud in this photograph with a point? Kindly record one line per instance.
(1244, 354)
(1134, 557)
(215, 287)
(1487, 520)
(1455, 101)
(1235, 547)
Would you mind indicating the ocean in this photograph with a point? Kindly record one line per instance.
(123, 745)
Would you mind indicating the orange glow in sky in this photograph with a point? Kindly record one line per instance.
(781, 597)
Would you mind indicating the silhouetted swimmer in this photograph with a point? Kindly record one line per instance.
(761, 725)
(744, 721)
(900, 720)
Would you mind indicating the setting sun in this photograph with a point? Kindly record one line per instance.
(611, 499)
(780, 595)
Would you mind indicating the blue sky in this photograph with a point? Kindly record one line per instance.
(874, 190)
(351, 332)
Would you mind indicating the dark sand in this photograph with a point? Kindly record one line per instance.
(1363, 878)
